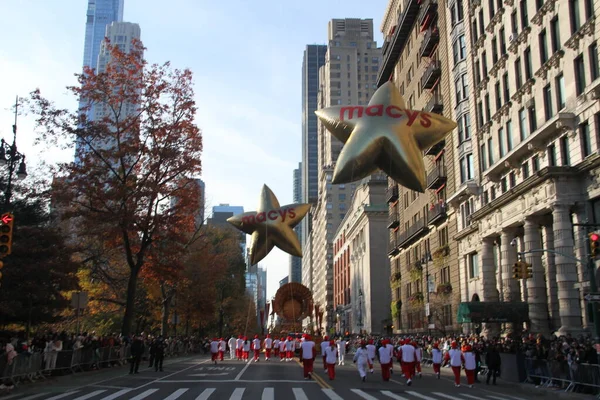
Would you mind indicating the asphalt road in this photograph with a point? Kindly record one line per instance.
(198, 379)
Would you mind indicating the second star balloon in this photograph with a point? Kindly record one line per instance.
(384, 135)
(271, 225)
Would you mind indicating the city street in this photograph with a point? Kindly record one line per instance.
(199, 379)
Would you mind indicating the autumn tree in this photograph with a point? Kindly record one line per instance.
(132, 159)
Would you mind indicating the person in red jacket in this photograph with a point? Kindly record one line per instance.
(455, 357)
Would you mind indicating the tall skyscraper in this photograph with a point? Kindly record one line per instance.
(349, 76)
(219, 217)
(295, 273)
(100, 14)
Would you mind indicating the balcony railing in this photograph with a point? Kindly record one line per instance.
(427, 12)
(393, 219)
(436, 178)
(436, 214)
(431, 74)
(392, 193)
(412, 233)
(430, 41)
(393, 248)
(395, 44)
(436, 148)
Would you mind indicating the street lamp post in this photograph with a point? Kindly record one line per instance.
(360, 318)
(425, 260)
(11, 157)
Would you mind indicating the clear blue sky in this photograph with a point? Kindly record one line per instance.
(246, 57)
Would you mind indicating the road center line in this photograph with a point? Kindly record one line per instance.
(237, 378)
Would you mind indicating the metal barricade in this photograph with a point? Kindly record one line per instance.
(568, 376)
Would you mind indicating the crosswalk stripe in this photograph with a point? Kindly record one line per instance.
(205, 394)
(268, 394)
(144, 395)
(471, 397)
(496, 397)
(331, 394)
(237, 394)
(444, 395)
(363, 394)
(89, 395)
(176, 394)
(393, 395)
(421, 396)
(33, 396)
(299, 394)
(60, 396)
(117, 394)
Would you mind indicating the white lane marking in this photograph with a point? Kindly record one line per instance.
(392, 395)
(445, 395)
(299, 394)
(166, 376)
(331, 394)
(505, 395)
(421, 396)
(33, 396)
(496, 397)
(89, 395)
(144, 395)
(237, 378)
(469, 396)
(60, 396)
(205, 394)
(237, 393)
(312, 382)
(398, 382)
(176, 394)
(116, 394)
(268, 394)
(363, 394)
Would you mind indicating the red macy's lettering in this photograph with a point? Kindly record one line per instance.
(271, 215)
(391, 111)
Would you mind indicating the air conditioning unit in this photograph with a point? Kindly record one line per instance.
(513, 36)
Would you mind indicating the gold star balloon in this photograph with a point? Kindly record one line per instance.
(271, 225)
(384, 135)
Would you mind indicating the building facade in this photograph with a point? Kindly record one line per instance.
(295, 272)
(534, 76)
(361, 267)
(424, 276)
(348, 76)
(100, 14)
(219, 217)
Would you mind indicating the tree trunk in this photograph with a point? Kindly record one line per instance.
(129, 316)
(166, 306)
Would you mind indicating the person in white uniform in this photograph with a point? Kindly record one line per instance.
(341, 347)
(371, 354)
(361, 360)
(232, 347)
(324, 345)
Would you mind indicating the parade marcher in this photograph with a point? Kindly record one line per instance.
(385, 359)
(159, 353)
(324, 345)
(276, 348)
(222, 348)
(256, 348)
(214, 350)
(361, 360)
(151, 354)
(331, 355)
(268, 345)
(418, 358)
(239, 347)
(137, 350)
(493, 363)
(455, 357)
(341, 346)
(371, 349)
(246, 349)
(470, 365)
(436, 358)
(290, 344)
(232, 343)
(390, 348)
(308, 353)
(282, 347)
(407, 361)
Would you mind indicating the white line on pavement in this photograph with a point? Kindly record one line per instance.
(144, 395)
(33, 396)
(60, 396)
(89, 395)
(299, 394)
(170, 375)
(205, 394)
(363, 394)
(116, 394)
(268, 394)
(237, 378)
(176, 394)
(496, 397)
(398, 382)
(421, 396)
(444, 395)
(471, 397)
(505, 395)
(392, 395)
(331, 394)
(237, 394)
(230, 380)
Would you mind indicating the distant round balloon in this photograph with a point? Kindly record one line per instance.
(271, 225)
(384, 135)
(293, 302)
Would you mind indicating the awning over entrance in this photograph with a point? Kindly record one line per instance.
(487, 311)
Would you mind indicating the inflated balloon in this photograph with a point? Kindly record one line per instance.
(271, 225)
(384, 135)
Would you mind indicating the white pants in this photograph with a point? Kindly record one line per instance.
(231, 354)
(341, 355)
(362, 368)
(51, 359)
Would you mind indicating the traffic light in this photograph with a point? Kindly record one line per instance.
(6, 232)
(594, 245)
(517, 270)
(527, 271)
